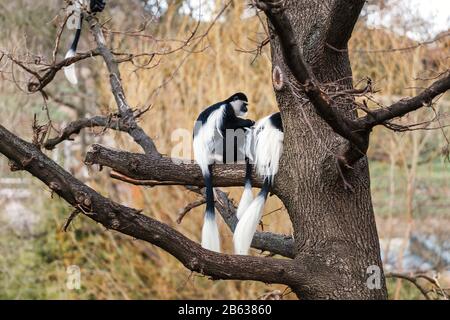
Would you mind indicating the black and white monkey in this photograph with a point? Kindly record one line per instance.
(264, 146)
(94, 7)
(210, 145)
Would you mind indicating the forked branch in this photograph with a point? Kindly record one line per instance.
(26, 156)
(356, 131)
(125, 111)
(293, 57)
(405, 106)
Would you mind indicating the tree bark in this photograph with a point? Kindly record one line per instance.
(334, 226)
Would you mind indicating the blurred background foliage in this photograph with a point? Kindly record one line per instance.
(410, 174)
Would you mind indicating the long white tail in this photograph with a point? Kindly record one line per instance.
(210, 233)
(246, 200)
(69, 71)
(203, 151)
(247, 195)
(246, 227)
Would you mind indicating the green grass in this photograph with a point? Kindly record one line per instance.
(431, 195)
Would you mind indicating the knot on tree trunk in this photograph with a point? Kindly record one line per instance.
(277, 78)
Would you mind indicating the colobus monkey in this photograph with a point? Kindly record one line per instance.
(94, 7)
(264, 147)
(210, 145)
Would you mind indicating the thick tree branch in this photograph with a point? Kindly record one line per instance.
(125, 111)
(152, 167)
(404, 106)
(357, 132)
(266, 241)
(76, 126)
(344, 14)
(26, 156)
(293, 57)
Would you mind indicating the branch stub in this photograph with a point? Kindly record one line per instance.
(277, 78)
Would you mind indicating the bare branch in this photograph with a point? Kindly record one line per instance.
(157, 169)
(265, 241)
(415, 280)
(411, 279)
(125, 111)
(130, 221)
(357, 131)
(404, 106)
(69, 220)
(76, 126)
(183, 211)
(141, 182)
(344, 14)
(52, 70)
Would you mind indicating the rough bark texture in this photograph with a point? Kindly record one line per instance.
(166, 170)
(334, 228)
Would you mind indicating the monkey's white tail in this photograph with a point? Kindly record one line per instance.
(246, 227)
(246, 200)
(247, 195)
(203, 152)
(69, 71)
(210, 232)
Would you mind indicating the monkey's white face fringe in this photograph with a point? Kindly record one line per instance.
(210, 234)
(237, 107)
(69, 71)
(204, 140)
(246, 226)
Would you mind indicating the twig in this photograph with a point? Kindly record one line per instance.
(414, 279)
(182, 213)
(148, 183)
(72, 216)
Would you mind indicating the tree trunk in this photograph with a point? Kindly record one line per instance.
(334, 227)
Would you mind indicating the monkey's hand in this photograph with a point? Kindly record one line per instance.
(246, 123)
(251, 122)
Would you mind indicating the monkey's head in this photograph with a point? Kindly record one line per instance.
(239, 103)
